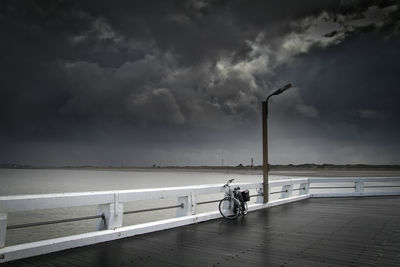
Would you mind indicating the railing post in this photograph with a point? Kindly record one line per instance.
(359, 186)
(287, 191)
(260, 196)
(193, 197)
(113, 213)
(3, 229)
(111, 219)
(304, 188)
(189, 205)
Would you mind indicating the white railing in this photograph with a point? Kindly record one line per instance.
(111, 207)
(372, 186)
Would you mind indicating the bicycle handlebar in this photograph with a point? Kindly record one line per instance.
(229, 181)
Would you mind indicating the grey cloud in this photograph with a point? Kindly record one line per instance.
(327, 29)
(308, 111)
(157, 105)
(185, 76)
(370, 114)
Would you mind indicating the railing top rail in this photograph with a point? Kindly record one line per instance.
(352, 179)
(288, 181)
(60, 200)
(200, 189)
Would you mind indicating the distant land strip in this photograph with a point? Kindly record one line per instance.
(277, 167)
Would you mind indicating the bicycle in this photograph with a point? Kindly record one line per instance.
(234, 202)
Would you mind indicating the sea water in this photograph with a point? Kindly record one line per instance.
(43, 181)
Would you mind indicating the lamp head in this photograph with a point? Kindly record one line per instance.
(282, 89)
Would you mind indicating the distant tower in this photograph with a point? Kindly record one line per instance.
(222, 160)
(251, 161)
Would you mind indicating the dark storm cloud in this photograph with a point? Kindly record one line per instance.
(179, 82)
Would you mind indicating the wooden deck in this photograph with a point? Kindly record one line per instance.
(313, 232)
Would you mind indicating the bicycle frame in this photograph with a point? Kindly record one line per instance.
(229, 193)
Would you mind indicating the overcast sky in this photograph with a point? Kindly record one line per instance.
(181, 82)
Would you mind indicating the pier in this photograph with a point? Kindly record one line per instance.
(300, 228)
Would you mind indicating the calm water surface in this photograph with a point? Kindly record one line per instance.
(40, 181)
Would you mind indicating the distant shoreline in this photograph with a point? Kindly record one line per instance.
(280, 167)
(288, 171)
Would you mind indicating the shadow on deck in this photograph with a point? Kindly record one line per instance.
(313, 232)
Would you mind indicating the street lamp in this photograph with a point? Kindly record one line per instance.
(265, 139)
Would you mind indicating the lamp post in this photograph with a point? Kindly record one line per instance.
(265, 139)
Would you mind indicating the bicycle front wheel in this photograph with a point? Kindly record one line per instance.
(229, 208)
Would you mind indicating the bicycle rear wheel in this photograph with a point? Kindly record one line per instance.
(229, 208)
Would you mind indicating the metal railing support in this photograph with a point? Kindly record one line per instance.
(287, 191)
(189, 205)
(113, 214)
(153, 209)
(3, 229)
(111, 219)
(184, 201)
(304, 188)
(23, 225)
(359, 186)
(260, 196)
